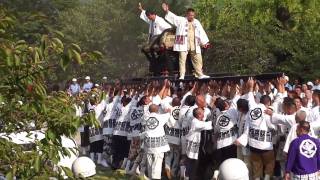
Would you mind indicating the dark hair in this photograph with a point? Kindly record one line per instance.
(150, 12)
(141, 101)
(265, 99)
(176, 101)
(190, 100)
(289, 102)
(190, 10)
(305, 125)
(243, 104)
(298, 97)
(220, 104)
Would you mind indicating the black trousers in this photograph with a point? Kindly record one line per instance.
(226, 153)
(120, 146)
(96, 147)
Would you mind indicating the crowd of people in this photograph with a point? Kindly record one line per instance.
(187, 129)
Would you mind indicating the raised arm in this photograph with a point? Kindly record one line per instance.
(171, 17)
(143, 15)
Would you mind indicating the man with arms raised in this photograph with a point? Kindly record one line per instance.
(190, 36)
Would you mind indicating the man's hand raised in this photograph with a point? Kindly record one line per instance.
(165, 7)
(140, 7)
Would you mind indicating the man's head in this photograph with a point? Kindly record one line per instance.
(303, 128)
(198, 113)
(298, 102)
(176, 102)
(266, 100)
(190, 14)
(190, 100)
(298, 89)
(200, 101)
(300, 116)
(74, 80)
(221, 104)
(151, 15)
(87, 78)
(153, 108)
(243, 105)
(288, 106)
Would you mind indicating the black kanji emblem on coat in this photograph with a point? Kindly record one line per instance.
(175, 114)
(256, 113)
(136, 114)
(152, 123)
(223, 121)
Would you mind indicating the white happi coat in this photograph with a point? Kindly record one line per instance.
(123, 122)
(112, 113)
(194, 137)
(95, 134)
(226, 128)
(159, 24)
(173, 127)
(136, 116)
(154, 138)
(181, 41)
(258, 129)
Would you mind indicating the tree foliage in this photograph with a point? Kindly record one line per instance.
(26, 105)
(265, 35)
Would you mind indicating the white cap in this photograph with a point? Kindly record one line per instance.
(83, 166)
(309, 83)
(286, 78)
(233, 169)
(96, 85)
(87, 78)
(104, 78)
(74, 80)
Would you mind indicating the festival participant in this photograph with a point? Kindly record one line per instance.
(189, 102)
(120, 142)
(193, 140)
(304, 155)
(74, 88)
(109, 121)
(258, 134)
(96, 138)
(190, 36)
(88, 85)
(155, 141)
(156, 26)
(136, 116)
(300, 116)
(173, 130)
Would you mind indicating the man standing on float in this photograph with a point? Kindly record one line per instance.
(190, 35)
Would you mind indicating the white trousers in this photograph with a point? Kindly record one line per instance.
(154, 162)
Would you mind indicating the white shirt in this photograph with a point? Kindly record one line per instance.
(257, 130)
(181, 42)
(194, 137)
(154, 137)
(157, 26)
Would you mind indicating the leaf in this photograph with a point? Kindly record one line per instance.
(67, 171)
(77, 56)
(37, 164)
(98, 54)
(76, 47)
(58, 42)
(64, 62)
(9, 175)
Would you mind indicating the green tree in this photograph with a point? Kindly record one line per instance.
(26, 104)
(115, 29)
(265, 35)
